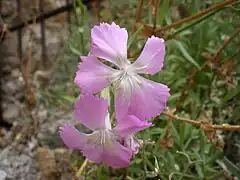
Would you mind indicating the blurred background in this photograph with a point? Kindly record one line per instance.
(41, 41)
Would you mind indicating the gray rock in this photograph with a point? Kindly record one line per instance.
(17, 166)
(10, 88)
(3, 175)
(12, 112)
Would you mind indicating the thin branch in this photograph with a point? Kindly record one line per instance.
(43, 16)
(203, 123)
(226, 127)
(155, 12)
(226, 43)
(196, 123)
(43, 36)
(19, 33)
(195, 23)
(234, 55)
(190, 18)
(139, 13)
(3, 31)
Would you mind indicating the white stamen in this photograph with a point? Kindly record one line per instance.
(126, 79)
(102, 137)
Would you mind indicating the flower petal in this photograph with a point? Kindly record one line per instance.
(109, 42)
(71, 137)
(133, 143)
(144, 102)
(92, 112)
(92, 75)
(116, 156)
(93, 152)
(130, 124)
(151, 59)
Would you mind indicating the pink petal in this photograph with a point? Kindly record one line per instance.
(92, 75)
(133, 143)
(71, 137)
(130, 124)
(91, 111)
(116, 156)
(145, 102)
(109, 42)
(93, 152)
(151, 59)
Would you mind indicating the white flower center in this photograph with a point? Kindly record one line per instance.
(102, 137)
(126, 79)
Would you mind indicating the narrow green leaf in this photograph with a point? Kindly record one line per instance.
(162, 11)
(186, 54)
(71, 99)
(75, 51)
(202, 143)
(199, 171)
(181, 135)
(134, 36)
(231, 94)
(232, 167)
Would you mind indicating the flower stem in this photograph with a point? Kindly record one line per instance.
(81, 169)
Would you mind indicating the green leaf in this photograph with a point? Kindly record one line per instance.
(134, 36)
(174, 97)
(155, 131)
(231, 94)
(75, 51)
(181, 135)
(175, 58)
(101, 173)
(199, 171)
(162, 11)
(232, 167)
(185, 53)
(202, 143)
(71, 99)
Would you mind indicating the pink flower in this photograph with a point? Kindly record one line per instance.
(134, 94)
(103, 144)
(133, 143)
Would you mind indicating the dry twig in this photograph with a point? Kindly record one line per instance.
(139, 13)
(205, 125)
(200, 14)
(155, 11)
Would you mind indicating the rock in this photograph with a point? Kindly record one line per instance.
(3, 175)
(12, 85)
(16, 73)
(11, 112)
(10, 88)
(6, 69)
(17, 166)
(8, 51)
(47, 162)
(9, 8)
